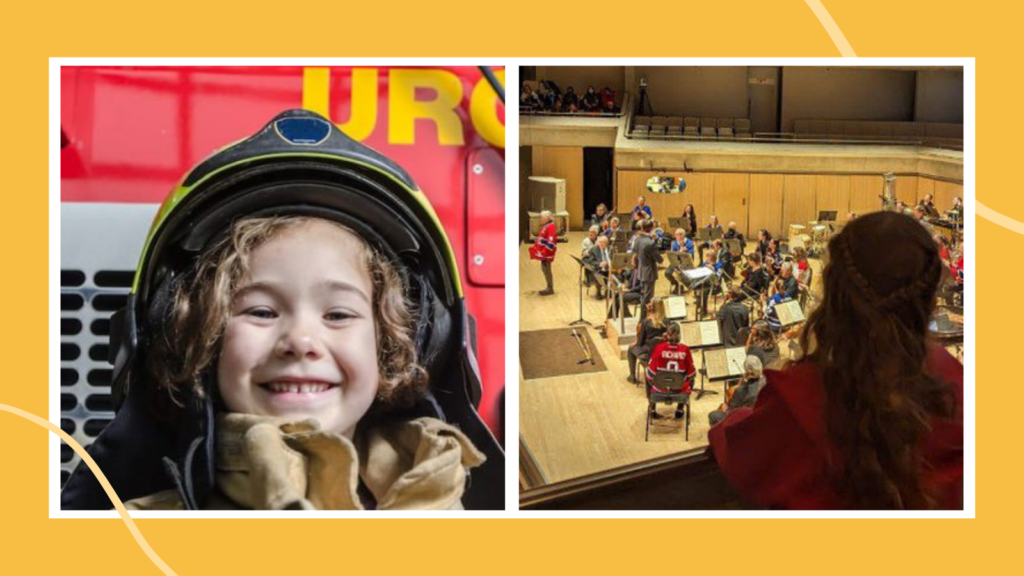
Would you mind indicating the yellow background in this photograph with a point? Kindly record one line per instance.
(33, 31)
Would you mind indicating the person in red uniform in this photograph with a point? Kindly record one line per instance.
(673, 356)
(871, 416)
(544, 250)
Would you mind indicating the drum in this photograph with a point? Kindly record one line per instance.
(819, 232)
(796, 230)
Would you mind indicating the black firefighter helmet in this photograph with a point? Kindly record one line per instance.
(299, 163)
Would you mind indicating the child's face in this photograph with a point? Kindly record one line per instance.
(301, 341)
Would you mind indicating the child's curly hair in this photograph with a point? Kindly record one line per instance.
(186, 343)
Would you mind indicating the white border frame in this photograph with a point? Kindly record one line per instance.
(512, 284)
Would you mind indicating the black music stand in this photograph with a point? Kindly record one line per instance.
(676, 223)
(583, 266)
(702, 346)
(681, 260)
(698, 285)
(827, 215)
(733, 369)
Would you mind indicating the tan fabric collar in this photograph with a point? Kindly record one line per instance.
(272, 464)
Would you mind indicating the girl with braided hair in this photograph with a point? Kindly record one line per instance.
(871, 416)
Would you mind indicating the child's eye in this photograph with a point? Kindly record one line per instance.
(262, 313)
(338, 316)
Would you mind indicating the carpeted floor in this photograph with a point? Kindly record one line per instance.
(550, 353)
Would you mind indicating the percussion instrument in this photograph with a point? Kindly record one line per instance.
(796, 230)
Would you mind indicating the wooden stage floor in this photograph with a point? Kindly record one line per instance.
(581, 424)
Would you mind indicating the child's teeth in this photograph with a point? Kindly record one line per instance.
(297, 388)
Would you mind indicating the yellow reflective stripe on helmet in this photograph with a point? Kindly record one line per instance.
(180, 192)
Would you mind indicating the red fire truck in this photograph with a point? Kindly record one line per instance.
(129, 134)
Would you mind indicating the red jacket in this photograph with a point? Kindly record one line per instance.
(674, 358)
(547, 243)
(774, 454)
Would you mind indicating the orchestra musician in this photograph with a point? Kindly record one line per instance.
(776, 297)
(648, 333)
(712, 285)
(732, 317)
(733, 234)
(755, 279)
(690, 216)
(673, 356)
(772, 258)
(790, 285)
(763, 238)
(641, 212)
(613, 230)
(761, 343)
(713, 224)
(590, 240)
(724, 257)
(871, 415)
(743, 395)
(928, 205)
(598, 258)
(679, 245)
(600, 216)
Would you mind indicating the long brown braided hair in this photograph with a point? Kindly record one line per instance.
(869, 338)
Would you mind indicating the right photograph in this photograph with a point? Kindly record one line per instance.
(741, 287)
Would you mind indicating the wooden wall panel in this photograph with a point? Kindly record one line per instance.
(564, 162)
(699, 192)
(799, 204)
(732, 192)
(864, 195)
(944, 194)
(906, 189)
(833, 193)
(924, 186)
(765, 204)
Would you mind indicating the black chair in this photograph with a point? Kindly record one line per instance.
(673, 384)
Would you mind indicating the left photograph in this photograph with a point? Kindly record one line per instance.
(282, 288)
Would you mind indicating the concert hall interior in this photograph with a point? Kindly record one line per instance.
(805, 167)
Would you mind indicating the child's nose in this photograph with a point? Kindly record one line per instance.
(299, 342)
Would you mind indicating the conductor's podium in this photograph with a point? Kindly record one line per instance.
(621, 334)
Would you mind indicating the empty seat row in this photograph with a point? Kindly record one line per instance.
(691, 128)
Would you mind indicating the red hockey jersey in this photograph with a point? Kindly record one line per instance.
(674, 358)
(547, 243)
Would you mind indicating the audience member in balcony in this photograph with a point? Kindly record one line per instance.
(608, 101)
(590, 102)
(600, 215)
(529, 99)
(570, 101)
(549, 95)
(870, 416)
(744, 395)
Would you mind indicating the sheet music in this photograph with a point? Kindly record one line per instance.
(709, 333)
(789, 312)
(700, 334)
(722, 363)
(675, 307)
(697, 274)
